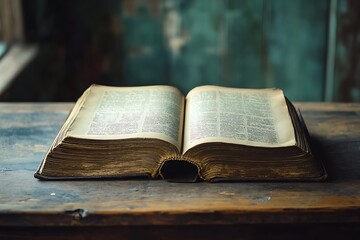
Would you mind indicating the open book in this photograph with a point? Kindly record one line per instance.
(212, 134)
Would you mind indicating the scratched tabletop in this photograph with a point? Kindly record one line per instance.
(28, 129)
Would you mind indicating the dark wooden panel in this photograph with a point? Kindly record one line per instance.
(347, 64)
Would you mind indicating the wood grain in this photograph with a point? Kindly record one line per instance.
(27, 130)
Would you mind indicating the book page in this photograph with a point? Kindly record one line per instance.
(131, 112)
(255, 117)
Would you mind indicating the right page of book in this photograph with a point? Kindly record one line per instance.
(254, 117)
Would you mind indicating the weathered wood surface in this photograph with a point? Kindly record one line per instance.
(27, 130)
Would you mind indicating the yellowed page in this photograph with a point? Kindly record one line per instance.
(254, 117)
(131, 112)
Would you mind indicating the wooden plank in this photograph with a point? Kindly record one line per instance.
(26, 131)
(347, 53)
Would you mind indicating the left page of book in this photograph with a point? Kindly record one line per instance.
(130, 112)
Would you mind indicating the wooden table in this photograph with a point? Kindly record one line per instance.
(117, 209)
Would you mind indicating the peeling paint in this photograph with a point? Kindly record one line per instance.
(174, 36)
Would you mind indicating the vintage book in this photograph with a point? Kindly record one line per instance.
(212, 134)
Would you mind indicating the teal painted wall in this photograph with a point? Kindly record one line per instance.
(186, 43)
(248, 43)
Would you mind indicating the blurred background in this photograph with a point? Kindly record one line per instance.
(52, 50)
